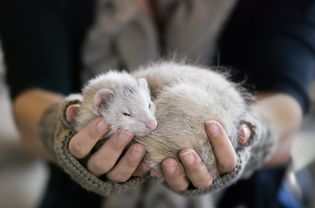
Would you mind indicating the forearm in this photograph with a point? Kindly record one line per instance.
(28, 109)
(285, 116)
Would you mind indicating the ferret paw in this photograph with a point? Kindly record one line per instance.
(69, 100)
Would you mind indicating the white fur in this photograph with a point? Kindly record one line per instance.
(186, 97)
(129, 95)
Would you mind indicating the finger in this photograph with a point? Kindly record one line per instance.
(195, 169)
(222, 147)
(71, 112)
(244, 134)
(106, 157)
(142, 169)
(175, 180)
(127, 164)
(83, 142)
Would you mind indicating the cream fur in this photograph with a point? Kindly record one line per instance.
(186, 97)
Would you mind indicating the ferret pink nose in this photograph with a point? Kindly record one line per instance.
(151, 124)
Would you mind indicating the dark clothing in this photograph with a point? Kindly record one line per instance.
(42, 41)
(62, 192)
(259, 191)
(271, 41)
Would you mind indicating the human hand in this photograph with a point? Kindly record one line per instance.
(195, 169)
(111, 159)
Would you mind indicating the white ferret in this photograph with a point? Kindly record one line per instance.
(185, 98)
(123, 101)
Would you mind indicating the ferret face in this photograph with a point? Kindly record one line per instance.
(128, 108)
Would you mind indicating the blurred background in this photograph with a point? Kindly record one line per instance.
(23, 179)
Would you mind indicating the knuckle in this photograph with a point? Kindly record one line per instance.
(96, 128)
(181, 187)
(92, 134)
(120, 140)
(116, 145)
(97, 166)
(77, 149)
(195, 167)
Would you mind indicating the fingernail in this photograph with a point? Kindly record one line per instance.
(101, 126)
(213, 128)
(124, 135)
(188, 157)
(137, 153)
(169, 166)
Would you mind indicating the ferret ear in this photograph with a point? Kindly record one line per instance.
(143, 82)
(102, 99)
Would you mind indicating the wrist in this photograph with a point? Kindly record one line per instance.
(28, 108)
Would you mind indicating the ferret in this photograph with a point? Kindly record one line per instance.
(186, 97)
(122, 100)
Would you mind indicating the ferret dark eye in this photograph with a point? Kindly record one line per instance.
(149, 106)
(127, 114)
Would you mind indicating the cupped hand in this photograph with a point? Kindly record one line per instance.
(111, 159)
(196, 171)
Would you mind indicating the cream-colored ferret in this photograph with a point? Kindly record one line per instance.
(185, 97)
